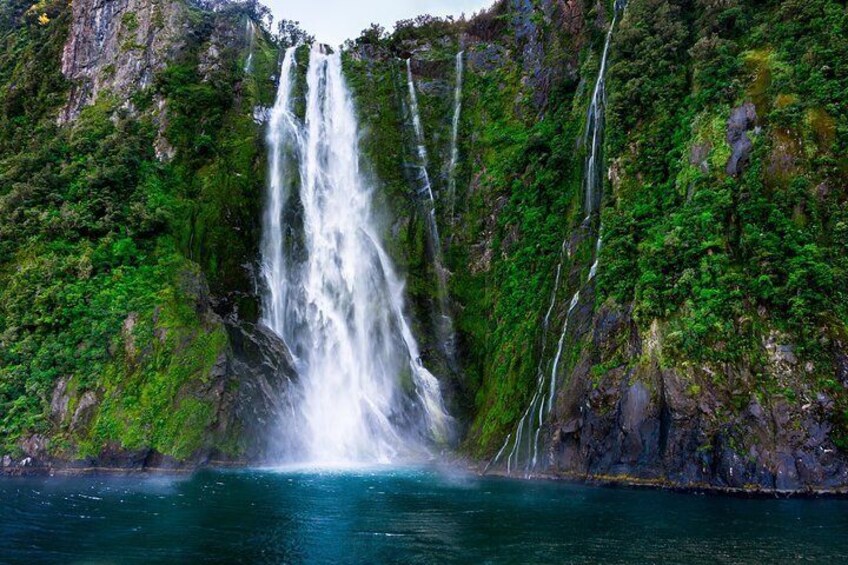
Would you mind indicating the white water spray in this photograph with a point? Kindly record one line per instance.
(595, 125)
(250, 31)
(284, 143)
(331, 291)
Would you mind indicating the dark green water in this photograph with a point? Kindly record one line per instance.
(400, 516)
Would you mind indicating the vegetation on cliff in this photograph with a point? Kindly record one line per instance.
(107, 334)
(723, 213)
(124, 234)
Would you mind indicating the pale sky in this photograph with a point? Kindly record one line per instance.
(333, 21)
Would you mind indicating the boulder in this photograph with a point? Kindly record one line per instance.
(742, 120)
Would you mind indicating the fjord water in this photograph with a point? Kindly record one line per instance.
(400, 516)
(331, 292)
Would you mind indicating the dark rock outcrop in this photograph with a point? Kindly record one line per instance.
(263, 369)
(742, 120)
(645, 423)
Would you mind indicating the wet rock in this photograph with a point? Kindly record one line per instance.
(742, 120)
(676, 425)
(118, 46)
(84, 411)
(699, 155)
(486, 58)
(34, 446)
(114, 456)
(60, 400)
(129, 339)
(263, 369)
(786, 476)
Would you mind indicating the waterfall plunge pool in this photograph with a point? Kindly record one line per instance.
(400, 515)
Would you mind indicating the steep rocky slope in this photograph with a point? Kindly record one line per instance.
(129, 187)
(708, 349)
(687, 327)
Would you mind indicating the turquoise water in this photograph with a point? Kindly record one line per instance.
(400, 516)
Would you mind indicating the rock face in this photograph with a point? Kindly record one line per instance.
(117, 46)
(538, 46)
(641, 421)
(742, 120)
(263, 368)
(249, 387)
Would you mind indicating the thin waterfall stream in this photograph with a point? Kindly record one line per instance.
(444, 323)
(331, 291)
(250, 32)
(454, 151)
(524, 453)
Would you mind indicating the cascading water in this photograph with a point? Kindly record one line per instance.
(331, 292)
(525, 440)
(454, 157)
(284, 142)
(595, 125)
(446, 334)
(250, 31)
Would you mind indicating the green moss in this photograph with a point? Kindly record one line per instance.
(129, 22)
(98, 236)
(157, 398)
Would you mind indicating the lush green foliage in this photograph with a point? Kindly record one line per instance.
(692, 244)
(105, 249)
(723, 261)
(720, 263)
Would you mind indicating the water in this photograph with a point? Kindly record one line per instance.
(595, 125)
(454, 155)
(331, 291)
(444, 320)
(250, 32)
(524, 455)
(400, 516)
(284, 141)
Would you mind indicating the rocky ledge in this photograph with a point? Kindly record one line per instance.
(649, 421)
(247, 388)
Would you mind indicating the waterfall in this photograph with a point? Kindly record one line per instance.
(284, 142)
(595, 124)
(250, 32)
(525, 446)
(454, 156)
(444, 323)
(331, 292)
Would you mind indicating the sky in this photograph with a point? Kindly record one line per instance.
(333, 21)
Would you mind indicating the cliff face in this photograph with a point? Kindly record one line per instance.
(641, 418)
(129, 195)
(705, 346)
(691, 330)
(118, 46)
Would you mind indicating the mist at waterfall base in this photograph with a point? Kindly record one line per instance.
(402, 516)
(331, 293)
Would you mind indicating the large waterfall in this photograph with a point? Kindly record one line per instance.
(524, 455)
(331, 292)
